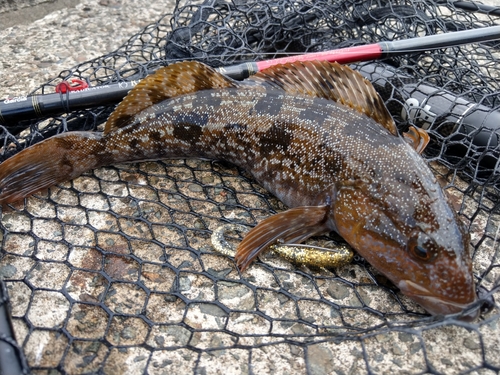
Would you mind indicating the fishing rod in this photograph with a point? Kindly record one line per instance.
(471, 129)
(70, 98)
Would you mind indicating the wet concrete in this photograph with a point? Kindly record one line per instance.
(22, 12)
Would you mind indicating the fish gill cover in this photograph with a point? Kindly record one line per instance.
(116, 267)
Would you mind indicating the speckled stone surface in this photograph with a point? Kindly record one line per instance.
(31, 54)
(14, 5)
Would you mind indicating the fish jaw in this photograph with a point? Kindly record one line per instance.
(436, 305)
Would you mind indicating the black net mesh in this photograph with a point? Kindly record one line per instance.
(114, 272)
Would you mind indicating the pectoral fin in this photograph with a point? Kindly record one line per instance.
(292, 226)
(417, 138)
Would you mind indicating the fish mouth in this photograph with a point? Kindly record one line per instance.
(437, 305)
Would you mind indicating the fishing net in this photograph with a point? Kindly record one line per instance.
(114, 272)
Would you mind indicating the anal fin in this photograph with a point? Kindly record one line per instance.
(292, 226)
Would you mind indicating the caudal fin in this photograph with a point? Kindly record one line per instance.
(54, 160)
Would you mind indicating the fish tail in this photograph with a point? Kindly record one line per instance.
(54, 160)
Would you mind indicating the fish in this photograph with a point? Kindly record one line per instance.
(317, 136)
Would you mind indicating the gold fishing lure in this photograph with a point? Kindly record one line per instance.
(302, 254)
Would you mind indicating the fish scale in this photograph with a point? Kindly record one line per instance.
(314, 134)
(263, 143)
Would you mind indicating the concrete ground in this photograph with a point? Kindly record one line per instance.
(23, 12)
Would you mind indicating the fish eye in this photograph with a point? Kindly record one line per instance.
(422, 247)
(420, 252)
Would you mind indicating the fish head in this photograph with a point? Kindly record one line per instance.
(410, 233)
(440, 278)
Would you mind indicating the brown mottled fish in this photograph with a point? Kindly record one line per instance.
(316, 135)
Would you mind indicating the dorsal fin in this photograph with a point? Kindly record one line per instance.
(332, 81)
(173, 80)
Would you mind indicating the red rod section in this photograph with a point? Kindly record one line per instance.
(342, 56)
